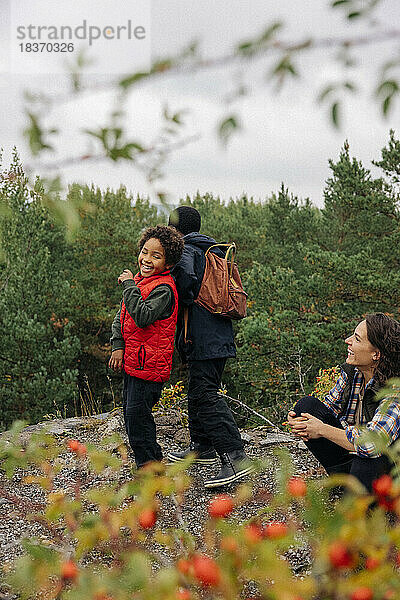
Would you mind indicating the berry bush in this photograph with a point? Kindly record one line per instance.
(108, 541)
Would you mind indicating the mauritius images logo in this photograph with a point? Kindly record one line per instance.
(116, 37)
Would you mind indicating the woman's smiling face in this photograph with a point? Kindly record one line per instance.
(360, 352)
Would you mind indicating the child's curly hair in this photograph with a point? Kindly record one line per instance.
(170, 240)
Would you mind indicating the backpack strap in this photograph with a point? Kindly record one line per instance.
(229, 248)
(185, 321)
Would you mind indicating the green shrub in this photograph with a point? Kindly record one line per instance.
(106, 543)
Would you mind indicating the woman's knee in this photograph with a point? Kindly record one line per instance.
(307, 404)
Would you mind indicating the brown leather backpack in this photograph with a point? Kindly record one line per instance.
(221, 291)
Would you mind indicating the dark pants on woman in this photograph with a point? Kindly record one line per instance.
(334, 458)
(211, 423)
(139, 397)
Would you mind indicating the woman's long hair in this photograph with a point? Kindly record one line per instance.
(383, 332)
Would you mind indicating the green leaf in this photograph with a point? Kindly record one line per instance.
(354, 15)
(100, 135)
(349, 85)
(138, 571)
(38, 552)
(326, 91)
(284, 66)
(35, 134)
(227, 127)
(177, 118)
(136, 146)
(390, 86)
(335, 114)
(246, 48)
(270, 31)
(386, 105)
(163, 198)
(250, 47)
(387, 89)
(339, 3)
(132, 79)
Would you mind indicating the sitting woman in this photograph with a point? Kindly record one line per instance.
(331, 428)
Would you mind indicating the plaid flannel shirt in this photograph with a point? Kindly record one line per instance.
(386, 421)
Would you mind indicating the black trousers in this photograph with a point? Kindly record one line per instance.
(139, 397)
(334, 458)
(211, 423)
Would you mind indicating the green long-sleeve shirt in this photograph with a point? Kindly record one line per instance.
(158, 305)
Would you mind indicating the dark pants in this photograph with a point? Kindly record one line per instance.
(211, 423)
(334, 458)
(139, 398)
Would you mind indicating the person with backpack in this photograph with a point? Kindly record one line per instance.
(332, 429)
(205, 344)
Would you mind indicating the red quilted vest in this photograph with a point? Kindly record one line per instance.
(148, 351)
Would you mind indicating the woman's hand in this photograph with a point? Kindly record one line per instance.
(115, 362)
(307, 426)
(292, 418)
(126, 274)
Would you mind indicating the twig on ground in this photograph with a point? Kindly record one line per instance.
(251, 410)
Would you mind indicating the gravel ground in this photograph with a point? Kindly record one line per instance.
(261, 443)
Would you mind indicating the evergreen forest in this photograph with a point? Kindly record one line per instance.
(311, 274)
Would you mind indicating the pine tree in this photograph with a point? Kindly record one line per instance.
(38, 351)
(359, 210)
(390, 162)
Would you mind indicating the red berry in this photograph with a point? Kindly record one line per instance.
(339, 556)
(387, 503)
(383, 485)
(362, 593)
(147, 518)
(183, 566)
(206, 570)
(275, 530)
(372, 563)
(220, 506)
(183, 594)
(253, 533)
(82, 450)
(297, 487)
(229, 544)
(73, 445)
(69, 570)
(77, 447)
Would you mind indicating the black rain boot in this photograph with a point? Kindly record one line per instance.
(204, 456)
(234, 466)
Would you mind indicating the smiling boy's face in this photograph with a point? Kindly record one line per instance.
(152, 258)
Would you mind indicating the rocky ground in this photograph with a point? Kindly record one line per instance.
(261, 443)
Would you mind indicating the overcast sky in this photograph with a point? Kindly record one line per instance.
(286, 137)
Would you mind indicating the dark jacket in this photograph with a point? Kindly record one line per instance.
(210, 336)
(369, 403)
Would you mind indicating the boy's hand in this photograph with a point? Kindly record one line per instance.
(115, 362)
(126, 274)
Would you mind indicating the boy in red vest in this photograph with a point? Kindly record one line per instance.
(143, 336)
